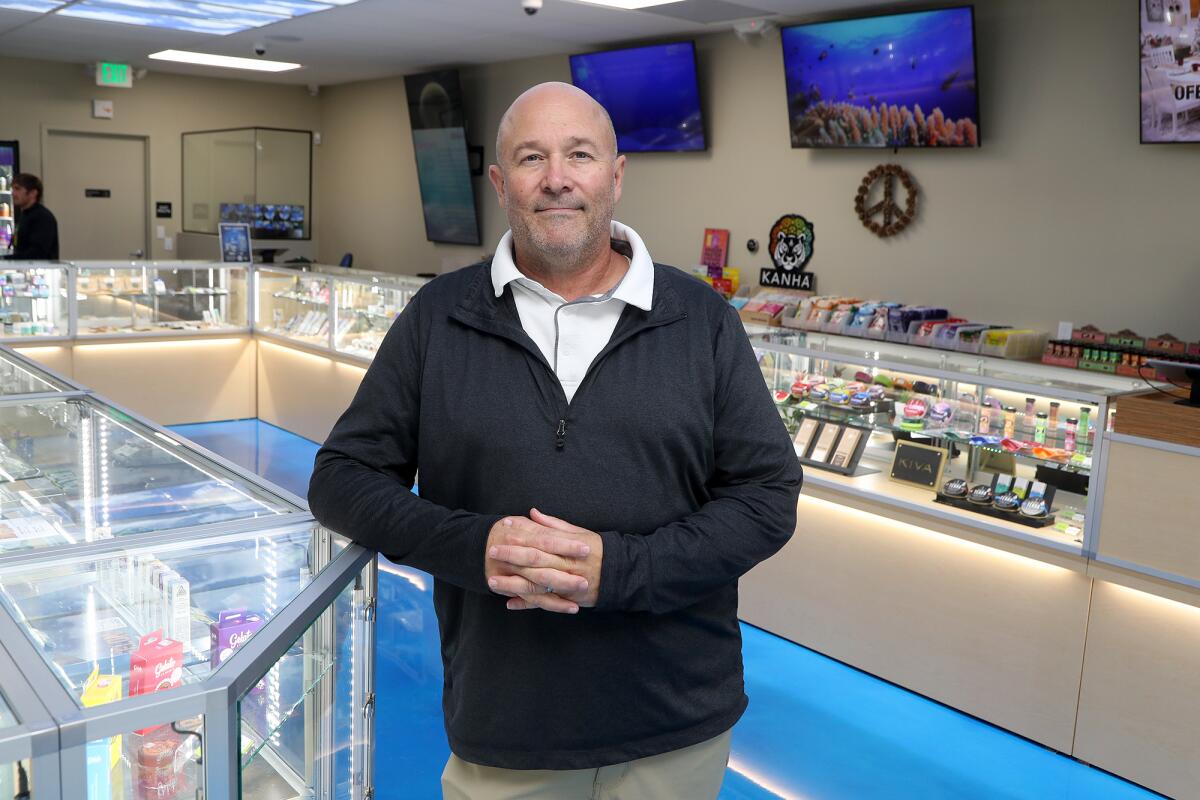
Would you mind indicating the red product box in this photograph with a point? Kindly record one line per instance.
(157, 664)
(1193, 349)
(1167, 344)
(1089, 333)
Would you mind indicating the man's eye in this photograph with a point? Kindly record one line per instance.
(580, 154)
(531, 157)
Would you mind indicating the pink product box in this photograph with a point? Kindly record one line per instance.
(157, 664)
(231, 630)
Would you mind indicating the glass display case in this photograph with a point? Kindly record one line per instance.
(293, 304)
(74, 470)
(148, 297)
(331, 308)
(365, 306)
(33, 300)
(185, 629)
(1001, 446)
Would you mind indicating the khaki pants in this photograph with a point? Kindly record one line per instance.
(693, 773)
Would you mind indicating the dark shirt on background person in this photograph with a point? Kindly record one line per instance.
(37, 235)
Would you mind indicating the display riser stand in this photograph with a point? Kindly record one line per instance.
(990, 511)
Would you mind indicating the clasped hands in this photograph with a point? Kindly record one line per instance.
(543, 562)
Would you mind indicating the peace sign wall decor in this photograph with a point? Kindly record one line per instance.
(895, 218)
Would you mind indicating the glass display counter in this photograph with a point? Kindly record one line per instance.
(33, 300)
(347, 311)
(293, 304)
(366, 305)
(1006, 447)
(148, 297)
(186, 630)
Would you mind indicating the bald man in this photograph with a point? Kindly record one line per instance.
(600, 462)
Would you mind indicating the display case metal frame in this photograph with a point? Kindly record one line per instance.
(35, 736)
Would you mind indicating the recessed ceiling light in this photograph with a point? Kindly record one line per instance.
(229, 62)
(220, 17)
(628, 5)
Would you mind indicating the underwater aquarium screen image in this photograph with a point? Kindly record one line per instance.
(651, 93)
(900, 80)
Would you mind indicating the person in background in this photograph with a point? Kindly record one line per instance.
(37, 229)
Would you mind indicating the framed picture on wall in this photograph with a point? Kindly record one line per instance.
(1154, 10)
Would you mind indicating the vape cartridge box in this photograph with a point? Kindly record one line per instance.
(232, 629)
(97, 690)
(157, 664)
(179, 605)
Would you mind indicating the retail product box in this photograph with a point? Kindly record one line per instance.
(1058, 353)
(1089, 333)
(232, 629)
(157, 664)
(1193, 349)
(1126, 338)
(1167, 343)
(1014, 344)
(925, 332)
(101, 755)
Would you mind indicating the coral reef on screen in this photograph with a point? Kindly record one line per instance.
(850, 125)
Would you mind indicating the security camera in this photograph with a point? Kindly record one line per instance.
(260, 49)
(531, 6)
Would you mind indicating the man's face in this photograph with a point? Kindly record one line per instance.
(23, 198)
(559, 178)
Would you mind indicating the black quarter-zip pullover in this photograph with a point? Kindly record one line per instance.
(671, 450)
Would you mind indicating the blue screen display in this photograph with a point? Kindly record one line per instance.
(901, 80)
(651, 93)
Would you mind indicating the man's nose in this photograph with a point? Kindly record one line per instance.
(555, 179)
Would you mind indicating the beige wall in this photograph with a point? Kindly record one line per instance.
(1060, 215)
(45, 94)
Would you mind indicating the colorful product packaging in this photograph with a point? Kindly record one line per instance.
(157, 664)
(232, 629)
(101, 755)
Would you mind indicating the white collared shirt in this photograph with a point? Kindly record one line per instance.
(571, 334)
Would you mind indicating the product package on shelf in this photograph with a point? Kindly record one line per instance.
(102, 754)
(1123, 353)
(232, 629)
(157, 664)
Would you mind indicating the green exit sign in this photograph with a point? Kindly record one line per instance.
(118, 75)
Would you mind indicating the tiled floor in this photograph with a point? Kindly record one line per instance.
(815, 730)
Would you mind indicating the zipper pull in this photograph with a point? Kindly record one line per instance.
(560, 435)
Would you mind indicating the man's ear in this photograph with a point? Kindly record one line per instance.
(618, 178)
(496, 176)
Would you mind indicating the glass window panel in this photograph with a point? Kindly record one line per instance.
(218, 174)
(282, 183)
(366, 310)
(302, 723)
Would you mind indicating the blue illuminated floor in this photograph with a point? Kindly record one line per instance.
(815, 729)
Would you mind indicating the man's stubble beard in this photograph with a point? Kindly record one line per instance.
(564, 256)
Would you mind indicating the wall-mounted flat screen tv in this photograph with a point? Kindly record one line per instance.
(435, 110)
(895, 80)
(1170, 71)
(651, 93)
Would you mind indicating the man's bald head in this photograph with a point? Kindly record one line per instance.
(562, 97)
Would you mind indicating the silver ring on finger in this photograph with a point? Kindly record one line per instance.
(548, 589)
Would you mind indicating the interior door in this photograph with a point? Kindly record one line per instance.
(96, 187)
